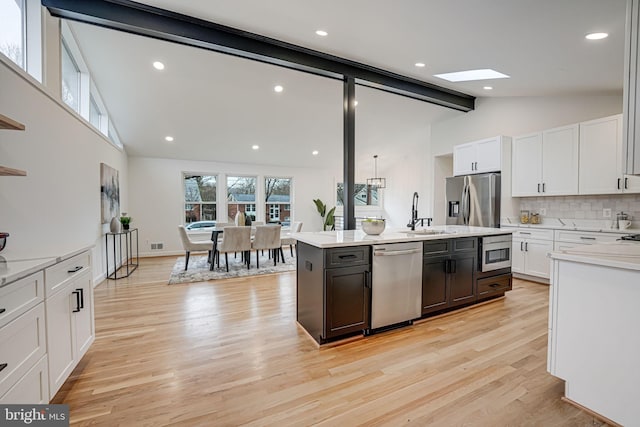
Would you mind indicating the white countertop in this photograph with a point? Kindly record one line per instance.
(574, 225)
(619, 254)
(334, 239)
(15, 269)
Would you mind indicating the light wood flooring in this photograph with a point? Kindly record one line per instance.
(230, 353)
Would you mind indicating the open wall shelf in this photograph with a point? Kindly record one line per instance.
(7, 123)
(10, 124)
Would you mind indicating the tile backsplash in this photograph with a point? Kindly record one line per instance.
(584, 207)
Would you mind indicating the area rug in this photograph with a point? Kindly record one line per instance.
(199, 268)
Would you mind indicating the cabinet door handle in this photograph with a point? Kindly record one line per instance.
(526, 246)
(453, 266)
(543, 185)
(73, 270)
(81, 297)
(626, 183)
(446, 266)
(521, 246)
(77, 294)
(367, 279)
(2, 366)
(618, 183)
(538, 187)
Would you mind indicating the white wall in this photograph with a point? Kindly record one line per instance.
(156, 195)
(55, 209)
(513, 116)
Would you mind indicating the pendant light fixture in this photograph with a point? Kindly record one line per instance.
(375, 181)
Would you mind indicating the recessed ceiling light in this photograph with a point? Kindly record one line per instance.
(488, 88)
(278, 88)
(596, 36)
(465, 76)
(322, 33)
(255, 147)
(168, 138)
(420, 64)
(158, 65)
(314, 152)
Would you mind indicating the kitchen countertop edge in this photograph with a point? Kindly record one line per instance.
(604, 254)
(14, 270)
(336, 239)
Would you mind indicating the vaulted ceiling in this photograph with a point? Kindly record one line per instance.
(217, 106)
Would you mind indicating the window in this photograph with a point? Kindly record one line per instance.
(21, 34)
(70, 79)
(94, 113)
(12, 30)
(278, 200)
(241, 195)
(364, 195)
(199, 197)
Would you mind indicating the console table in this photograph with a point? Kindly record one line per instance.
(128, 265)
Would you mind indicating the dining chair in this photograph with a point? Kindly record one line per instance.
(287, 239)
(235, 239)
(267, 237)
(189, 245)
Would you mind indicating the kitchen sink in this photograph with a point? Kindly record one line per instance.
(425, 231)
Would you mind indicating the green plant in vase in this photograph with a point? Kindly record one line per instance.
(328, 218)
(125, 221)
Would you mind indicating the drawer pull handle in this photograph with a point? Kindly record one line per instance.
(77, 294)
(2, 310)
(73, 270)
(524, 232)
(495, 285)
(350, 256)
(587, 238)
(2, 366)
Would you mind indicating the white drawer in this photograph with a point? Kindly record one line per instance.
(59, 274)
(588, 237)
(530, 233)
(19, 296)
(32, 388)
(26, 345)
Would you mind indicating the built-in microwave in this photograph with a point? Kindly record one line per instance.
(495, 252)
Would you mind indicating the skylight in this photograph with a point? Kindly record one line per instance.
(465, 76)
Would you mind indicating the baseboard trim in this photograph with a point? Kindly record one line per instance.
(590, 412)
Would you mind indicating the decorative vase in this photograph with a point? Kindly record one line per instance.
(114, 226)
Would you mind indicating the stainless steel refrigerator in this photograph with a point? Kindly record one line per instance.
(474, 200)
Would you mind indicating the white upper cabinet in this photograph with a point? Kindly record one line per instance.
(601, 158)
(631, 129)
(546, 163)
(478, 156)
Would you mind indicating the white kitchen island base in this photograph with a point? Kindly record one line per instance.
(594, 341)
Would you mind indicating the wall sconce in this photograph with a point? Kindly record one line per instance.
(376, 181)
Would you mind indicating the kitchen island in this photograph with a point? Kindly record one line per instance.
(340, 290)
(594, 343)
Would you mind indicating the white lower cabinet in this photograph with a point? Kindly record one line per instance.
(70, 323)
(46, 326)
(530, 249)
(23, 344)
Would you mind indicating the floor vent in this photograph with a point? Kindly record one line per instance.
(155, 246)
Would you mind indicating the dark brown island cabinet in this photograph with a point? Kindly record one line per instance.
(334, 284)
(333, 290)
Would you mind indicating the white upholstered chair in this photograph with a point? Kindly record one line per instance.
(235, 239)
(267, 237)
(287, 239)
(189, 245)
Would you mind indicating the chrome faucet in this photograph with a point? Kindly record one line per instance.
(414, 214)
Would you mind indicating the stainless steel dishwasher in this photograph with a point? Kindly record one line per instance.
(396, 291)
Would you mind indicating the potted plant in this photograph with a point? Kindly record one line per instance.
(125, 221)
(328, 219)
